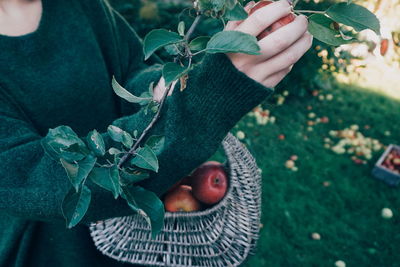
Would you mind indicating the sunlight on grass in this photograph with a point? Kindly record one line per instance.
(376, 76)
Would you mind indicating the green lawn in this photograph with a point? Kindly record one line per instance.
(346, 214)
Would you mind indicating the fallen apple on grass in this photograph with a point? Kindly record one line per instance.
(206, 185)
(280, 23)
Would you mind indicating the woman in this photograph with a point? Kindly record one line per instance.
(56, 63)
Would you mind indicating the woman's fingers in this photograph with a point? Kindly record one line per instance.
(282, 38)
(283, 60)
(288, 57)
(279, 40)
(275, 78)
(264, 17)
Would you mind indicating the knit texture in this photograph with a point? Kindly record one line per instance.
(61, 75)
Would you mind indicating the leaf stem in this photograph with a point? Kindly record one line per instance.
(309, 11)
(199, 52)
(192, 28)
(295, 3)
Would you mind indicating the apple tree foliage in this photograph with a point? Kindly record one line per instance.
(128, 158)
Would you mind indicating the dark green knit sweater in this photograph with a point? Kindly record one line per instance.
(61, 75)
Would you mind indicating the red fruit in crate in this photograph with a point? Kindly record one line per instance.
(210, 182)
(384, 46)
(280, 23)
(181, 199)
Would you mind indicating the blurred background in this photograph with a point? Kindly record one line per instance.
(316, 141)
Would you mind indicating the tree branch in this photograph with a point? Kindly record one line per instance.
(127, 156)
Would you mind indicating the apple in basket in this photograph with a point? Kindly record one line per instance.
(181, 198)
(209, 182)
(184, 181)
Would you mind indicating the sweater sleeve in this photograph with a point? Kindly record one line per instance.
(194, 121)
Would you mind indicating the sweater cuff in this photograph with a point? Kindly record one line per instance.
(223, 92)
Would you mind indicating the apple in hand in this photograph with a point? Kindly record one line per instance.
(384, 46)
(181, 199)
(278, 24)
(209, 182)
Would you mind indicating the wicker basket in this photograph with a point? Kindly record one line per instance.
(223, 235)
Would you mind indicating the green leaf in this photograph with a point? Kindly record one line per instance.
(320, 27)
(125, 94)
(73, 152)
(133, 176)
(230, 4)
(172, 71)
(237, 13)
(77, 172)
(119, 135)
(158, 38)
(72, 172)
(75, 205)
(114, 151)
(147, 204)
(151, 89)
(156, 143)
(214, 5)
(145, 158)
(63, 142)
(171, 49)
(130, 198)
(355, 16)
(107, 178)
(96, 143)
(181, 28)
(146, 95)
(199, 43)
(233, 42)
(152, 207)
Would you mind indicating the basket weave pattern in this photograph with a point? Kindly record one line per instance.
(223, 235)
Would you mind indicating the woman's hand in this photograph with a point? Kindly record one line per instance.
(279, 50)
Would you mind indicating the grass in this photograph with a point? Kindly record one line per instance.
(295, 204)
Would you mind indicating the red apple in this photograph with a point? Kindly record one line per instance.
(181, 199)
(384, 46)
(184, 181)
(280, 23)
(209, 182)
